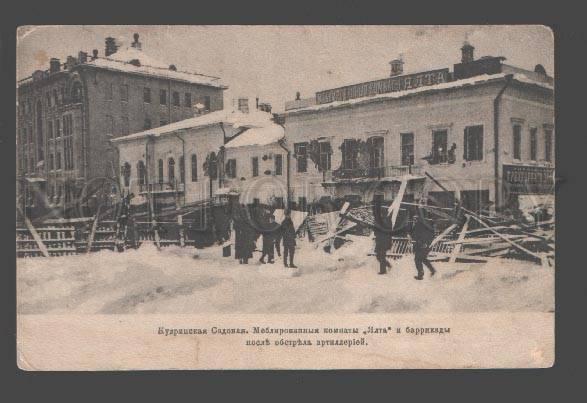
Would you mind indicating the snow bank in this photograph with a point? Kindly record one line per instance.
(186, 280)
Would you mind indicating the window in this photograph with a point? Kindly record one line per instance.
(109, 125)
(324, 154)
(188, 100)
(31, 134)
(548, 145)
(40, 148)
(124, 93)
(473, 150)
(141, 172)
(160, 166)
(350, 153)
(68, 141)
(125, 125)
(255, 162)
(439, 147)
(171, 170)
(126, 174)
(147, 124)
(194, 168)
(533, 144)
(162, 122)
(48, 95)
(302, 203)
(76, 92)
(278, 164)
(376, 155)
(55, 98)
(51, 162)
(407, 148)
(517, 142)
(62, 97)
(175, 98)
(181, 170)
(475, 200)
(206, 103)
(50, 129)
(162, 97)
(109, 91)
(231, 168)
(301, 154)
(147, 95)
(57, 161)
(57, 128)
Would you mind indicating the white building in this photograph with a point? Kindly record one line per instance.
(186, 162)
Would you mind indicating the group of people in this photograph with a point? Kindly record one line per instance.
(248, 229)
(421, 233)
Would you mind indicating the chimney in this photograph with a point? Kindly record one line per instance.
(298, 95)
(82, 57)
(136, 44)
(71, 61)
(54, 65)
(172, 67)
(257, 103)
(111, 46)
(94, 54)
(467, 53)
(397, 66)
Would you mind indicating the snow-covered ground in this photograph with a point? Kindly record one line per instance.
(186, 280)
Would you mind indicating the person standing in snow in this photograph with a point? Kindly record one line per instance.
(288, 235)
(382, 234)
(242, 236)
(269, 233)
(422, 235)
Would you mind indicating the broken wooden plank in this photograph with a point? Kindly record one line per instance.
(457, 248)
(93, 232)
(515, 245)
(442, 234)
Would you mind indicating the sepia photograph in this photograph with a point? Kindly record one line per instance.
(304, 196)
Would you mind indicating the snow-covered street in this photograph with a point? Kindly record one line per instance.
(174, 281)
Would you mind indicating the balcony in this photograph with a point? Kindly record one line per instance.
(162, 187)
(387, 173)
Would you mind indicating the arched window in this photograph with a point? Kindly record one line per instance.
(171, 169)
(76, 92)
(126, 174)
(181, 170)
(194, 168)
(141, 173)
(160, 171)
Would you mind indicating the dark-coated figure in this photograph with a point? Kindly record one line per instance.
(422, 236)
(288, 235)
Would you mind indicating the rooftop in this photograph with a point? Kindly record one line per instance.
(480, 79)
(123, 61)
(235, 118)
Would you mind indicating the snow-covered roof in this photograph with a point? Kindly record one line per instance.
(257, 136)
(234, 118)
(437, 87)
(120, 61)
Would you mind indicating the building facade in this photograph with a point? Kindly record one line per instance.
(68, 114)
(484, 131)
(196, 159)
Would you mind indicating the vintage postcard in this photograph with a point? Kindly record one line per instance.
(285, 197)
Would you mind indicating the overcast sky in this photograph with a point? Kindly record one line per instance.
(273, 62)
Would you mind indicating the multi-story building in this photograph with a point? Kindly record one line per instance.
(68, 114)
(484, 131)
